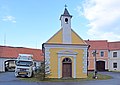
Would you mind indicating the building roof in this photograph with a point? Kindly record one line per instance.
(13, 52)
(114, 45)
(97, 44)
(66, 13)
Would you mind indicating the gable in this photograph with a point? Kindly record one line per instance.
(76, 39)
(56, 38)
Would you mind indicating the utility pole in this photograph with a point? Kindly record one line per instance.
(95, 70)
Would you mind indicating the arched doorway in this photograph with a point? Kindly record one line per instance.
(100, 65)
(66, 68)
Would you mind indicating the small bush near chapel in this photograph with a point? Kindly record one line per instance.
(41, 73)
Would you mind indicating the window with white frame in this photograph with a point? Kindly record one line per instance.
(102, 53)
(114, 54)
(114, 65)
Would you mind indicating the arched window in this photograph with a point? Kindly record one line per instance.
(67, 60)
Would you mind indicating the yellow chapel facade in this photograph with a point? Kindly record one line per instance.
(66, 52)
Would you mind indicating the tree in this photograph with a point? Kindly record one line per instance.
(43, 71)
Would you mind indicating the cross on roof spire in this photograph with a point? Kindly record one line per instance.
(66, 13)
(65, 5)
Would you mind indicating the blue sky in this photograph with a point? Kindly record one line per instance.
(29, 23)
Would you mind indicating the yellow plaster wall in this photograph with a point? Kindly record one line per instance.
(57, 38)
(79, 64)
(76, 39)
(54, 63)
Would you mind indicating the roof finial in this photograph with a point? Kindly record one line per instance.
(65, 5)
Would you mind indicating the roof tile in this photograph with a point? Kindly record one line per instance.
(97, 44)
(114, 45)
(13, 52)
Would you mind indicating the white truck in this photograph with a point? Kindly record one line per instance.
(24, 65)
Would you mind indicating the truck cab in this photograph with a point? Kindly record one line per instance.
(24, 65)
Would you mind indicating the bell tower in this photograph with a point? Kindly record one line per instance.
(66, 26)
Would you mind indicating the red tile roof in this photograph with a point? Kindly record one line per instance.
(97, 44)
(13, 52)
(114, 45)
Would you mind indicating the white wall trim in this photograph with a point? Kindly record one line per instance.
(69, 52)
(85, 61)
(60, 54)
(66, 36)
(66, 46)
(47, 59)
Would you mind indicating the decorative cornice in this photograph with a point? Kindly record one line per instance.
(69, 52)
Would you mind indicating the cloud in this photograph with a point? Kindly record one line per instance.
(103, 17)
(9, 18)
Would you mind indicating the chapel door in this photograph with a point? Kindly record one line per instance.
(67, 68)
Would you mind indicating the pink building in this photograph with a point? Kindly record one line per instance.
(101, 46)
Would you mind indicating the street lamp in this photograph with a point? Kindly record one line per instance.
(95, 70)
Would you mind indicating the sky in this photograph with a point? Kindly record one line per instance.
(29, 23)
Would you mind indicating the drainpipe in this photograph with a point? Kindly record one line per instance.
(87, 58)
(43, 50)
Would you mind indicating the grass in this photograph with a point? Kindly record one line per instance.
(100, 77)
(90, 75)
(115, 71)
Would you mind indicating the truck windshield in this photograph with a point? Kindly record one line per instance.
(24, 63)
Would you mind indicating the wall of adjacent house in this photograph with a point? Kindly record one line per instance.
(98, 58)
(2, 65)
(112, 60)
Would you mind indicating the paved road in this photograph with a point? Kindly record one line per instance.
(114, 81)
(8, 78)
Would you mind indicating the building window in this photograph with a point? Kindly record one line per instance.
(114, 54)
(114, 65)
(67, 60)
(101, 53)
